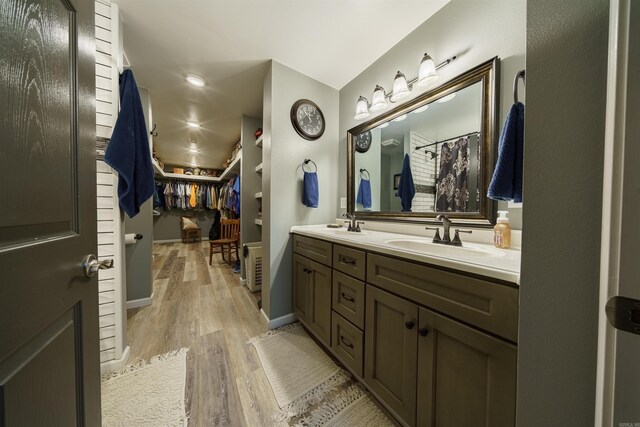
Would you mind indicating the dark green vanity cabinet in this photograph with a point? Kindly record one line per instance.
(436, 347)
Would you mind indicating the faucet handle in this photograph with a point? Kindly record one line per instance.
(357, 230)
(437, 237)
(348, 224)
(456, 238)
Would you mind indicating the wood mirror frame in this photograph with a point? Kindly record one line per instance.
(485, 73)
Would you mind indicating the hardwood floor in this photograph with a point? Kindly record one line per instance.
(206, 309)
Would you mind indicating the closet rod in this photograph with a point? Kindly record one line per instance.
(519, 75)
(445, 140)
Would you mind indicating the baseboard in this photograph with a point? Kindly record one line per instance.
(142, 302)
(115, 365)
(243, 282)
(204, 239)
(279, 321)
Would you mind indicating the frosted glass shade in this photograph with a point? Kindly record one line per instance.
(400, 87)
(362, 108)
(427, 72)
(379, 99)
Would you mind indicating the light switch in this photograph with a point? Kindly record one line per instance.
(343, 203)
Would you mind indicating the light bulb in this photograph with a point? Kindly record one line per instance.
(193, 124)
(194, 80)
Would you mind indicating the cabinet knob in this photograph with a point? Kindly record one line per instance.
(423, 332)
(409, 324)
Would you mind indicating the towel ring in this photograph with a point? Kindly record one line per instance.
(306, 161)
(519, 75)
(362, 171)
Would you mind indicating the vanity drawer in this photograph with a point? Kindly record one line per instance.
(348, 298)
(349, 261)
(317, 250)
(347, 343)
(489, 306)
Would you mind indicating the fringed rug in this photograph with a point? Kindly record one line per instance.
(147, 393)
(307, 383)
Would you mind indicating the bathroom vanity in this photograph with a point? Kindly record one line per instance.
(430, 330)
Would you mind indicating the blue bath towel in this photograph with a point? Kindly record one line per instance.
(506, 183)
(128, 151)
(406, 189)
(310, 190)
(364, 193)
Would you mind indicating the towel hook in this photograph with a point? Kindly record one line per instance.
(519, 75)
(362, 171)
(306, 161)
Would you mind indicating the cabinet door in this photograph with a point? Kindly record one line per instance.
(301, 278)
(319, 313)
(391, 351)
(465, 377)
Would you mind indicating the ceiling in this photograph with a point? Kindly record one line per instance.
(230, 42)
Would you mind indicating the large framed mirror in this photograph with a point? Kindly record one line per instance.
(445, 139)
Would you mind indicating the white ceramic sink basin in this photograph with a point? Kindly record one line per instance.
(424, 246)
(343, 232)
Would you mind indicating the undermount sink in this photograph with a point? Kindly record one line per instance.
(467, 250)
(343, 231)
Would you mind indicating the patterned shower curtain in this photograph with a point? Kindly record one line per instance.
(452, 191)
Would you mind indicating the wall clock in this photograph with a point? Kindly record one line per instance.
(307, 119)
(363, 142)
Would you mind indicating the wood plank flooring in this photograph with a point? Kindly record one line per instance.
(206, 309)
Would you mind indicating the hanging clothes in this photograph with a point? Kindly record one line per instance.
(452, 192)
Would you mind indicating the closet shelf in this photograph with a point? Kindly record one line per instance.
(258, 221)
(259, 195)
(259, 141)
(230, 172)
(233, 169)
(259, 168)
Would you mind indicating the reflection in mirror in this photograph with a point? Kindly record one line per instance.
(441, 144)
(429, 156)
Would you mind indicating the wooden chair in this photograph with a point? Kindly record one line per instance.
(229, 239)
(192, 234)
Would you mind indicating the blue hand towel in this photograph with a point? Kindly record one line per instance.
(364, 193)
(506, 183)
(406, 189)
(310, 190)
(128, 151)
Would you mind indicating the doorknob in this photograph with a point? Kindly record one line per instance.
(91, 265)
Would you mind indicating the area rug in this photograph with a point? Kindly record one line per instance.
(147, 393)
(307, 383)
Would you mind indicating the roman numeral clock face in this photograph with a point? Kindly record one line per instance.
(307, 119)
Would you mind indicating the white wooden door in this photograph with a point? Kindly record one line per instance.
(618, 387)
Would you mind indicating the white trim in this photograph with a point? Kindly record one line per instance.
(142, 302)
(243, 282)
(115, 365)
(204, 239)
(280, 321)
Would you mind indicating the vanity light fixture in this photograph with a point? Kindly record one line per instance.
(193, 124)
(194, 80)
(421, 109)
(384, 125)
(379, 99)
(400, 88)
(399, 118)
(427, 73)
(447, 98)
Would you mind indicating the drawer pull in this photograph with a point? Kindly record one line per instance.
(348, 297)
(345, 342)
(409, 324)
(423, 332)
(347, 260)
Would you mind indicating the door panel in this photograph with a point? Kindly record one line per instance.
(300, 287)
(460, 367)
(391, 350)
(319, 317)
(48, 226)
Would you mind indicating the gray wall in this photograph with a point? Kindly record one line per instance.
(284, 151)
(566, 78)
(167, 226)
(473, 30)
(250, 183)
(140, 255)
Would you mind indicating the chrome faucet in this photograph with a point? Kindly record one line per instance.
(354, 225)
(446, 239)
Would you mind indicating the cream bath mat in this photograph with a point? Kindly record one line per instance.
(147, 393)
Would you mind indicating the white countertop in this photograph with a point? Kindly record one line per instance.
(500, 264)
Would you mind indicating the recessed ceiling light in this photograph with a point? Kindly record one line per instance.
(194, 150)
(447, 98)
(194, 80)
(192, 124)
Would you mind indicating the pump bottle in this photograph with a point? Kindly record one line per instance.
(502, 231)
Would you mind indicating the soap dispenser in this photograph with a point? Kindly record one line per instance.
(502, 231)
